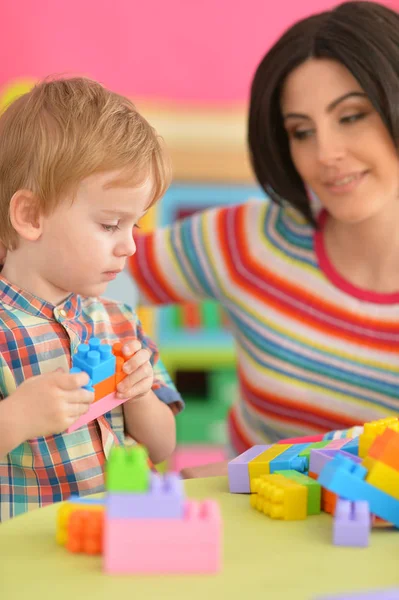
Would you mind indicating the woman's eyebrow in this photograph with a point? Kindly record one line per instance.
(330, 107)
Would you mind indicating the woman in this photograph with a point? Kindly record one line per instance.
(313, 296)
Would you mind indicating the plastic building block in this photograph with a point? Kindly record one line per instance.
(64, 513)
(318, 458)
(352, 446)
(96, 410)
(346, 478)
(352, 523)
(336, 444)
(279, 497)
(120, 361)
(96, 359)
(384, 478)
(385, 449)
(85, 531)
(392, 594)
(238, 470)
(164, 500)
(192, 544)
(261, 464)
(371, 431)
(290, 460)
(328, 501)
(313, 487)
(85, 501)
(89, 386)
(315, 445)
(306, 439)
(104, 388)
(127, 470)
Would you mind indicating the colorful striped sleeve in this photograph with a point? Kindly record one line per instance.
(181, 263)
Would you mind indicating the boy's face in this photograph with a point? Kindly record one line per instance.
(84, 245)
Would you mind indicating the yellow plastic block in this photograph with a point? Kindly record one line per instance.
(280, 498)
(371, 431)
(261, 464)
(63, 514)
(385, 478)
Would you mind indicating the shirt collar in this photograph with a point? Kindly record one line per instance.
(12, 295)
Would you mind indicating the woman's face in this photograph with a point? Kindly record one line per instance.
(338, 142)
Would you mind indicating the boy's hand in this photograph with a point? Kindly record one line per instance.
(48, 404)
(139, 369)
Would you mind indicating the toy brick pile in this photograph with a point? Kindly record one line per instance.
(144, 524)
(356, 480)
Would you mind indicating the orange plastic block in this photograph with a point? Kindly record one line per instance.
(85, 531)
(387, 451)
(328, 501)
(105, 387)
(371, 431)
(64, 513)
(279, 497)
(120, 361)
(261, 464)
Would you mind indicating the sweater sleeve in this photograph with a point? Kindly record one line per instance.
(192, 259)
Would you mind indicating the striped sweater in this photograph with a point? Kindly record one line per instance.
(314, 353)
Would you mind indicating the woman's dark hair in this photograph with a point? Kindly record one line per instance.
(362, 36)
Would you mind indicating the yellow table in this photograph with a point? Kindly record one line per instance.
(263, 560)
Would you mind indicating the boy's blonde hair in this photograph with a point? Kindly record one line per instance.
(65, 130)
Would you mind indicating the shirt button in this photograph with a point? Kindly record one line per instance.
(63, 313)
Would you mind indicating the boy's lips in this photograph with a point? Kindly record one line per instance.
(112, 274)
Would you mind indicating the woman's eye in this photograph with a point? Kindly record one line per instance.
(110, 228)
(353, 118)
(302, 134)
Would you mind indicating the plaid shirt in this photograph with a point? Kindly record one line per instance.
(37, 337)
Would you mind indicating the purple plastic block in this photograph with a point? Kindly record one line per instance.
(318, 458)
(352, 523)
(392, 594)
(164, 500)
(238, 469)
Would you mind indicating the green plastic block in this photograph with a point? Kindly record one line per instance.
(313, 446)
(127, 470)
(314, 489)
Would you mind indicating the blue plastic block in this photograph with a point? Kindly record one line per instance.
(96, 359)
(86, 500)
(164, 500)
(346, 478)
(85, 387)
(352, 446)
(290, 461)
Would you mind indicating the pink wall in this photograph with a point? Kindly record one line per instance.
(189, 50)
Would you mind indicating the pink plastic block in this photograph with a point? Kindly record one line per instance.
(352, 523)
(96, 410)
(319, 437)
(336, 444)
(189, 545)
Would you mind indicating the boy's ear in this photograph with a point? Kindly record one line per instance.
(25, 215)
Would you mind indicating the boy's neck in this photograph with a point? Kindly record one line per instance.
(21, 271)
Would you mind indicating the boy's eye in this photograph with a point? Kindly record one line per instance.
(110, 228)
(136, 226)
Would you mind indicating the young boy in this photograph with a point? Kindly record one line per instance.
(78, 169)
